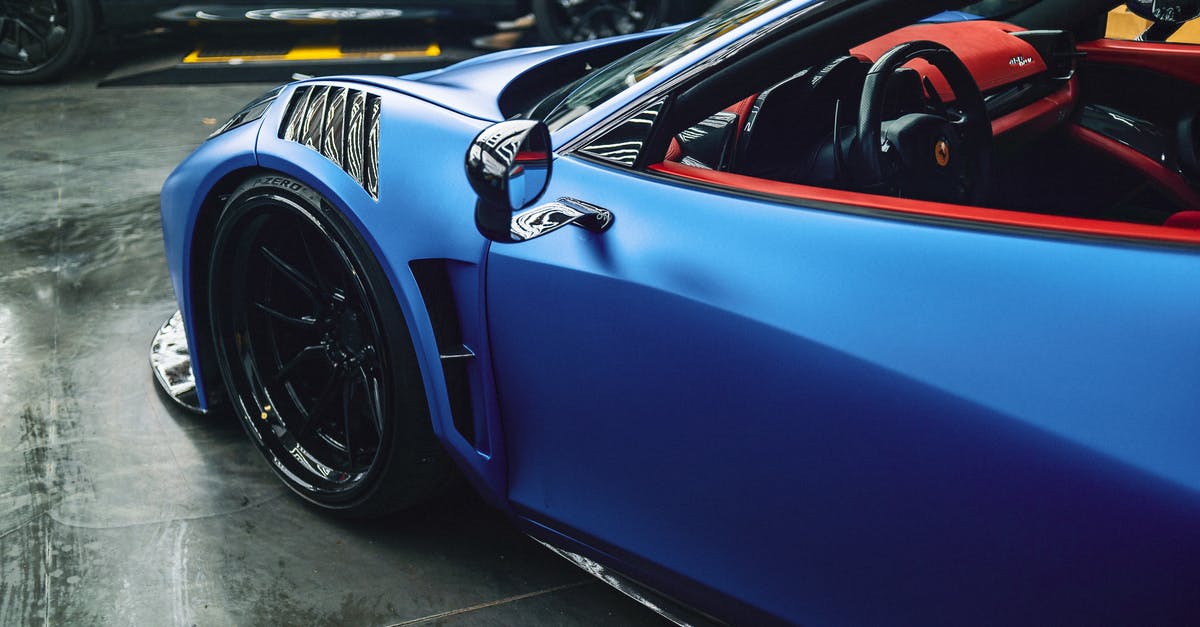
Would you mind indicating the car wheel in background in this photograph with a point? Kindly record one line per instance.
(315, 355)
(41, 39)
(560, 21)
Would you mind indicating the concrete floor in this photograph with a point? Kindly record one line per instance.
(117, 508)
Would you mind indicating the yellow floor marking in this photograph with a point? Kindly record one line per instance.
(317, 53)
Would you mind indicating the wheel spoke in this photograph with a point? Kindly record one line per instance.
(300, 321)
(307, 285)
(373, 399)
(32, 43)
(324, 400)
(10, 43)
(322, 285)
(347, 388)
(295, 361)
(31, 32)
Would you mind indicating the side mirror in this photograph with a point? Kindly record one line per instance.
(508, 166)
(1173, 12)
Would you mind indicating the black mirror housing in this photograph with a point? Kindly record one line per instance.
(508, 166)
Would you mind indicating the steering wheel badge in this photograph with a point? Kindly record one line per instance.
(941, 152)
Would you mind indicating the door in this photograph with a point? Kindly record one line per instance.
(845, 416)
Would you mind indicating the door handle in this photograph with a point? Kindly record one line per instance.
(552, 216)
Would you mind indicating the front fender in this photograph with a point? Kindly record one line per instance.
(183, 199)
(424, 210)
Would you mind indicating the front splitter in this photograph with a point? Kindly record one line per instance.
(171, 362)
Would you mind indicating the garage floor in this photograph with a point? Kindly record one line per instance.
(117, 508)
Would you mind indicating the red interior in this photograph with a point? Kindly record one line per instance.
(989, 51)
(930, 209)
(740, 108)
(1184, 220)
(1042, 115)
(1170, 182)
(984, 46)
(1180, 61)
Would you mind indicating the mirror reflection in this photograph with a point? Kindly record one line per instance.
(508, 164)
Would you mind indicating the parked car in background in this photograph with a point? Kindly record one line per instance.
(815, 312)
(42, 39)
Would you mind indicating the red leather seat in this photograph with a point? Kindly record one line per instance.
(740, 108)
(1184, 220)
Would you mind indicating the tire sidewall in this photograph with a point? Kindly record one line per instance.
(408, 424)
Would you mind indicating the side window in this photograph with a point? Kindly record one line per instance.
(623, 144)
(708, 144)
(1124, 24)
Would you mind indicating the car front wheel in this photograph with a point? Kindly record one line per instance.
(315, 355)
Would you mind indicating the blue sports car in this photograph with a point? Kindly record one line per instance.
(811, 311)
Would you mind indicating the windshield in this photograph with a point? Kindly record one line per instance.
(588, 92)
(576, 98)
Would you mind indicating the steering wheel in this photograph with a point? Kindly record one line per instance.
(943, 153)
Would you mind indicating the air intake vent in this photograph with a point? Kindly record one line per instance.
(340, 123)
(1057, 49)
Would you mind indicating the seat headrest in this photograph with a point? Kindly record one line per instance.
(1184, 220)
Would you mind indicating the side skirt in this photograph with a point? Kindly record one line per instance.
(672, 611)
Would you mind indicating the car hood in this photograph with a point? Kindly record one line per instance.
(473, 87)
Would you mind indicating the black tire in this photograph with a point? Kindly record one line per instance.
(42, 39)
(315, 355)
(593, 19)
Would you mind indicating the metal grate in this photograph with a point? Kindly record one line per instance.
(340, 123)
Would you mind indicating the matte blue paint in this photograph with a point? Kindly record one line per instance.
(182, 196)
(780, 397)
(783, 413)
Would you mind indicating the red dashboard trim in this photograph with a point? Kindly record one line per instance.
(998, 217)
(994, 57)
(1041, 115)
(1169, 182)
(1180, 61)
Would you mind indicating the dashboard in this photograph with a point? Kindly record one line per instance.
(1026, 76)
(788, 131)
(803, 129)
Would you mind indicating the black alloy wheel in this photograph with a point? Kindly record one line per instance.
(315, 355)
(41, 39)
(562, 21)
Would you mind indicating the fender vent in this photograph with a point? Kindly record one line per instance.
(437, 289)
(340, 123)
